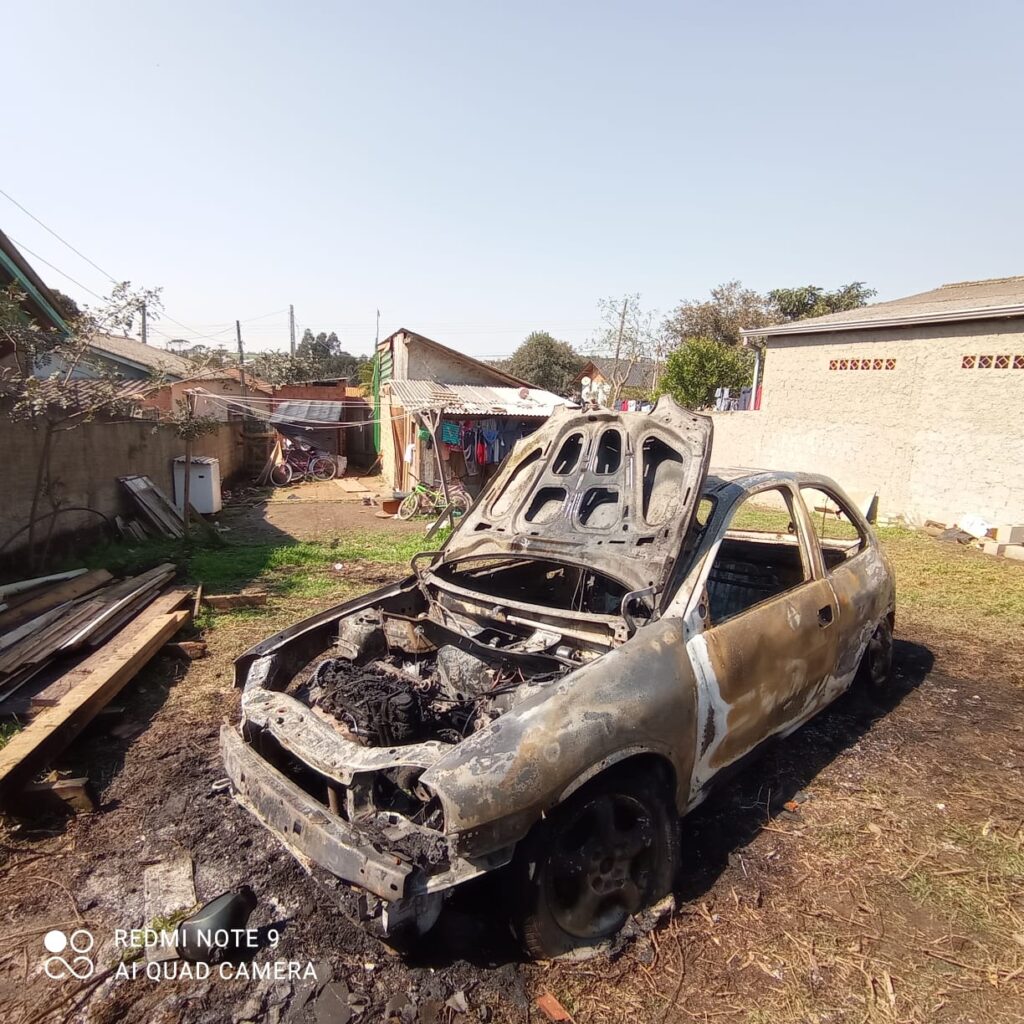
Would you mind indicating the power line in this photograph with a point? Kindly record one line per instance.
(60, 239)
(62, 273)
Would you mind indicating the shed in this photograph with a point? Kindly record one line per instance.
(480, 411)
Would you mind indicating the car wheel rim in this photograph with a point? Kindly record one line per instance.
(600, 868)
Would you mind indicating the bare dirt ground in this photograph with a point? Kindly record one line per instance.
(869, 868)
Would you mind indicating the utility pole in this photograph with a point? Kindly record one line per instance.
(291, 327)
(376, 340)
(241, 359)
(145, 337)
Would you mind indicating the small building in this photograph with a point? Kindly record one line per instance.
(481, 412)
(918, 399)
(637, 378)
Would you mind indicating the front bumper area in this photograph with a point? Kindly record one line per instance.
(305, 825)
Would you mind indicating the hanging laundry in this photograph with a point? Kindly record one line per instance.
(450, 433)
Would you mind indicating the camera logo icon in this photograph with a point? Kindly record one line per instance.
(78, 944)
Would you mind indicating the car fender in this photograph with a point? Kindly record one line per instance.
(638, 699)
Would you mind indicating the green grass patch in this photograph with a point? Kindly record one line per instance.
(8, 730)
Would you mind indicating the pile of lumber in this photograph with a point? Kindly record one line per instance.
(158, 510)
(68, 644)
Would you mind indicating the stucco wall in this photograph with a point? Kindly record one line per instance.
(935, 440)
(87, 461)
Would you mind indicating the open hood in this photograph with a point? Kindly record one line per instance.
(611, 491)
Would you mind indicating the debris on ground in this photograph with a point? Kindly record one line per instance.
(552, 1008)
(86, 638)
(228, 602)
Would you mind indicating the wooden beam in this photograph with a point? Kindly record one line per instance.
(53, 597)
(109, 669)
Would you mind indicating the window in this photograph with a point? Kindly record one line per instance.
(837, 531)
(759, 558)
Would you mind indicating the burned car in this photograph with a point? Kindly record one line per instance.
(608, 632)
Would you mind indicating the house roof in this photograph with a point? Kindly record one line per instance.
(964, 300)
(79, 392)
(641, 373)
(40, 303)
(479, 364)
(473, 399)
(143, 357)
(308, 412)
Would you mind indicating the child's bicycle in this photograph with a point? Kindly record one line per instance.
(424, 500)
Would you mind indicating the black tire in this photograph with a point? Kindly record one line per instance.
(323, 468)
(281, 474)
(609, 851)
(875, 671)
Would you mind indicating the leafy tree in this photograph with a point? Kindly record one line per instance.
(627, 338)
(323, 357)
(59, 403)
(546, 362)
(721, 318)
(699, 366)
(810, 300)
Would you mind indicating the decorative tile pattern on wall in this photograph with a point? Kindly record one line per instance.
(862, 364)
(1005, 362)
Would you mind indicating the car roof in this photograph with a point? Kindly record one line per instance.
(721, 478)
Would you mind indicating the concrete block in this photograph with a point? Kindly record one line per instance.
(991, 547)
(1010, 534)
(1014, 551)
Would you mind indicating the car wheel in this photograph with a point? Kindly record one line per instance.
(876, 665)
(610, 850)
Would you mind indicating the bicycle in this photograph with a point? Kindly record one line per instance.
(426, 500)
(307, 463)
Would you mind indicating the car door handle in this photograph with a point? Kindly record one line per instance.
(825, 616)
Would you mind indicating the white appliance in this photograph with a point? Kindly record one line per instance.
(203, 488)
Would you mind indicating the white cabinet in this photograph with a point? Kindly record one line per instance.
(204, 488)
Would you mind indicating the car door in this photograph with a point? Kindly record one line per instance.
(854, 567)
(768, 645)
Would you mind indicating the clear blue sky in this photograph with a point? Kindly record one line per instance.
(478, 170)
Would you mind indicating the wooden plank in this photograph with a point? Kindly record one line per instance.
(8, 589)
(54, 728)
(73, 794)
(165, 603)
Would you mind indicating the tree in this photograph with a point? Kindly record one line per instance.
(695, 369)
(59, 403)
(627, 338)
(323, 357)
(546, 362)
(788, 304)
(721, 318)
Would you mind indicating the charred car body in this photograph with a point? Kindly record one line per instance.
(599, 641)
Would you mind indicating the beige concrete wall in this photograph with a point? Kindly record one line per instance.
(87, 461)
(936, 440)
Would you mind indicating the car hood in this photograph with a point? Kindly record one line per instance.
(611, 491)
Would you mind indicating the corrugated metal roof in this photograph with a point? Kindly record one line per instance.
(964, 300)
(307, 411)
(474, 399)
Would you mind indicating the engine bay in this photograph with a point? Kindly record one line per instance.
(460, 649)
